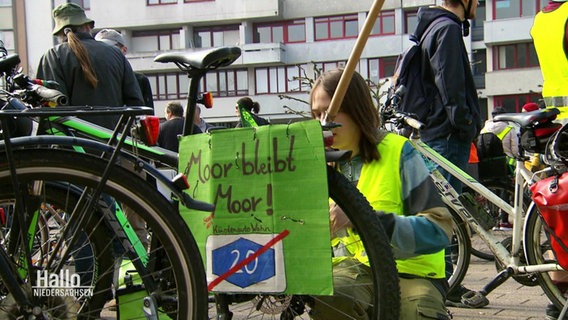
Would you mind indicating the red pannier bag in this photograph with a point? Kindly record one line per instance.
(551, 198)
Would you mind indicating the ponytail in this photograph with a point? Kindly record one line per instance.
(82, 56)
(255, 107)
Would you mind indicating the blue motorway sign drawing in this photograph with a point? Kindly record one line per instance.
(231, 254)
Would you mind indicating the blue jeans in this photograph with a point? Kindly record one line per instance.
(456, 151)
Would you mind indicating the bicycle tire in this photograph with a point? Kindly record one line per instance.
(538, 250)
(385, 304)
(505, 189)
(459, 251)
(180, 286)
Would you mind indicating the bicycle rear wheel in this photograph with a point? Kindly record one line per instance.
(170, 283)
(459, 251)
(506, 191)
(381, 282)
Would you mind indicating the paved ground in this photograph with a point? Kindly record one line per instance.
(509, 301)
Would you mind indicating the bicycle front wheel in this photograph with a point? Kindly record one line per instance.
(375, 294)
(166, 280)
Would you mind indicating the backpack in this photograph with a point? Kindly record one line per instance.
(489, 146)
(492, 158)
(408, 85)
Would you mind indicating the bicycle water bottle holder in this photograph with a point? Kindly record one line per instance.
(480, 215)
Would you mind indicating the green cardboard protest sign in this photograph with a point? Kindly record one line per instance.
(269, 232)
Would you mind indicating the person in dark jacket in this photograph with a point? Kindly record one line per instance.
(253, 107)
(114, 38)
(453, 120)
(89, 72)
(173, 127)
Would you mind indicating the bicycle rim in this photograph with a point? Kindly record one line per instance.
(538, 250)
(505, 191)
(174, 269)
(458, 252)
(381, 285)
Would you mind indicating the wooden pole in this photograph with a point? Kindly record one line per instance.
(339, 94)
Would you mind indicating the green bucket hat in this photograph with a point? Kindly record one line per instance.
(69, 14)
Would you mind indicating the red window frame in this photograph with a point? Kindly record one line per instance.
(161, 2)
(273, 88)
(519, 14)
(328, 21)
(285, 32)
(380, 23)
(518, 99)
(527, 47)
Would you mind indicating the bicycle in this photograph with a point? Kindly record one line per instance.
(384, 303)
(40, 275)
(527, 256)
(197, 64)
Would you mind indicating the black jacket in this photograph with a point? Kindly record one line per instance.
(446, 68)
(117, 84)
(169, 131)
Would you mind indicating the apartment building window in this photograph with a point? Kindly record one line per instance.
(226, 83)
(168, 86)
(337, 27)
(85, 4)
(283, 31)
(379, 68)
(410, 20)
(160, 2)
(7, 38)
(384, 24)
(515, 56)
(515, 103)
(503, 9)
(217, 36)
(285, 79)
(5, 3)
(155, 40)
(326, 66)
(477, 23)
(479, 67)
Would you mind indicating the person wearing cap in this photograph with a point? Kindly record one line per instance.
(550, 35)
(114, 38)
(89, 72)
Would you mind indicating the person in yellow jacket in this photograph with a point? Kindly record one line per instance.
(550, 36)
(394, 178)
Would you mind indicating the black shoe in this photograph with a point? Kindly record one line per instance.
(462, 297)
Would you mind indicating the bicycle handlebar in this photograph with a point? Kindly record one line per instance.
(409, 120)
(49, 95)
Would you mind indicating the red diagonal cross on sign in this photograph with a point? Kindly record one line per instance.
(249, 259)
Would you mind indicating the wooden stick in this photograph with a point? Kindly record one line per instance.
(339, 94)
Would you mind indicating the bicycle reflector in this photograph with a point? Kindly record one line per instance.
(327, 139)
(149, 130)
(206, 100)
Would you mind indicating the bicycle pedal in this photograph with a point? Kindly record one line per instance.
(474, 299)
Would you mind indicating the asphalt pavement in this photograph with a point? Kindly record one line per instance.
(511, 300)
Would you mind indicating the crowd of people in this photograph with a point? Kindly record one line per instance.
(93, 70)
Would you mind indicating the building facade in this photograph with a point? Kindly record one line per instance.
(283, 43)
